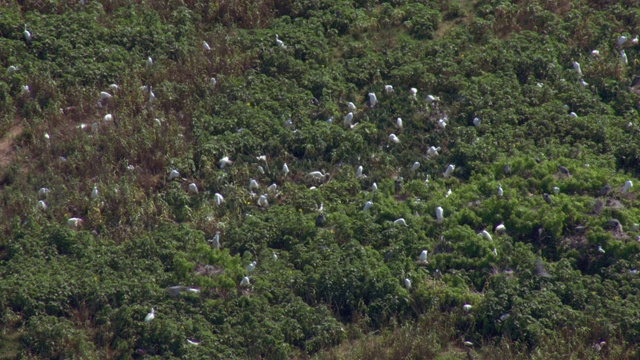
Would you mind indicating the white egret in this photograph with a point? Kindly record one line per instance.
(388, 88)
(262, 201)
(317, 175)
(219, 199)
(500, 192)
(495, 251)
(193, 342)
(400, 221)
(150, 316)
(213, 82)
(274, 256)
(621, 40)
(431, 99)
(556, 190)
(330, 120)
(224, 161)
(42, 205)
(272, 188)
(449, 170)
(439, 214)
(280, 43)
(173, 174)
(47, 136)
(413, 92)
(74, 222)
(43, 192)
(94, 193)
(373, 100)
(415, 166)
(245, 282)
(485, 234)
(348, 119)
(285, 169)
(398, 123)
(193, 188)
(601, 250)
(576, 67)
(374, 187)
(433, 151)
(468, 343)
(26, 34)
(11, 69)
(253, 184)
(584, 83)
(467, 307)
(114, 87)
(215, 241)
(351, 106)
(260, 169)
(500, 229)
(205, 46)
(394, 139)
(595, 53)
(152, 96)
(262, 158)
(107, 118)
(623, 57)
(26, 89)
(407, 283)
(149, 61)
(359, 172)
(627, 186)
(251, 266)
(476, 121)
(573, 114)
(442, 123)
(368, 205)
(423, 257)
(448, 193)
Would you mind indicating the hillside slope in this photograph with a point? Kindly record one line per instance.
(236, 177)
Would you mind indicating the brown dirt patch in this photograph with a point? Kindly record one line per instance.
(7, 150)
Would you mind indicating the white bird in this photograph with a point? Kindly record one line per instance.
(556, 190)
(262, 157)
(400, 221)
(251, 266)
(621, 40)
(224, 161)
(245, 282)
(601, 250)
(215, 241)
(394, 139)
(104, 96)
(439, 214)
(500, 192)
(114, 87)
(26, 34)
(193, 188)
(373, 100)
(149, 61)
(262, 200)
(485, 234)
(173, 174)
(500, 229)
(413, 92)
(213, 82)
(468, 343)
(442, 123)
(42, 205)
(74, 222)
(634, 41)
(317, 175)
(448, 193)
(431, 99)
(623, 57)
(285, 169)
(152, 96)
(11, 69)
(423, 256)
(219, 199)
(576, 67)
(415, 166)
(25, 89)
(150, 316)
(449, 170)
(359, 172)
(280, 43)
(193, 342)
(627, 186)
(43, 192)
(433, 151)
(348, 119)
(476, 121)
(260, 169)
(253, 184)
(330, 120)
(467, 307)
(107, 118)
(495, 251)
(275, 256)
(94, 193)
(272, 188)
(398, 123)
(595, 53)
(374, 187)
(205, 46)
(407, 283)
(368, 205)
(351, 106)
(583, 83)
(388, 88)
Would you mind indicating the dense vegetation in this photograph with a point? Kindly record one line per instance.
(330, 279)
